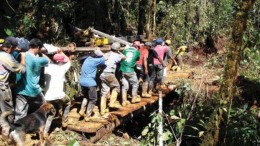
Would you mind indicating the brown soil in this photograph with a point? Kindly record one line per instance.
(195, 63)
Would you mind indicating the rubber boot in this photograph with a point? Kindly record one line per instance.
(174, 68)
(66, 110)
(144, 90)
(83, 107)
(103, 105)
(178, 69)
(90, 109)
(157, 88)
(89, 112)
(124, 98)
(96, 112)
(48, 125)
(150, 87)
(113, 102)
(150, 92)
(136, 99)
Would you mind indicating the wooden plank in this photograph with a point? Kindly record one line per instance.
(74, 114)
(124, 111)
(121, 115)
(178, 75)
(101, 126)
(151, 99)
(88, 127)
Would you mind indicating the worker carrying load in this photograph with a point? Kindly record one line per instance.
(109, 80)
(179, 57)
(88, 82)
(129, 77)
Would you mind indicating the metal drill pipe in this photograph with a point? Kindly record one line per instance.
(110, 37)
(85, 49)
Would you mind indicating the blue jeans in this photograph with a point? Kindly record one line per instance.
(130, 79)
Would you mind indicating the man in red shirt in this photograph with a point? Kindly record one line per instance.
(142, 68)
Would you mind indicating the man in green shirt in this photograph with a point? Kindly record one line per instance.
(129, 76)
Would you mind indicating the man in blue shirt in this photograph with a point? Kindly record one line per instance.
(29, 92)
(88, 81)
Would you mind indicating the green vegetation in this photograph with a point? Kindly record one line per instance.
(228, 117)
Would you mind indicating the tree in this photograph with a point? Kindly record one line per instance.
(141, 18)
(235, 48)
(154, 16)
(148, 20)
(227, 88)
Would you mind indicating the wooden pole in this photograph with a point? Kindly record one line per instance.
(160, 127)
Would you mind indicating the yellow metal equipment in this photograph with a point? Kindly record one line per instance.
(101, 41)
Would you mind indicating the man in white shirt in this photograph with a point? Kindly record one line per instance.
(54, 82)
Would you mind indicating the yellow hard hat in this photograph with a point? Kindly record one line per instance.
(168, 42)
(2, 41)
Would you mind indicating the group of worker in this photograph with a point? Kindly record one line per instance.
(21, 66)
(140, 64)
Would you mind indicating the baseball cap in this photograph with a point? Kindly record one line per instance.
(23, 44)
(159, 41)
(115, 46)
(59, 58)
(98, 53)
(12, 40)
(168, 42)
(148, 44)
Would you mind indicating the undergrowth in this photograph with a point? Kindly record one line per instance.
(188, 122)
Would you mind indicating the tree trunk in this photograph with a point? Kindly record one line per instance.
(141, 18)
(154, 16)
(148, 20)
(227, 88)
(235, 48)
